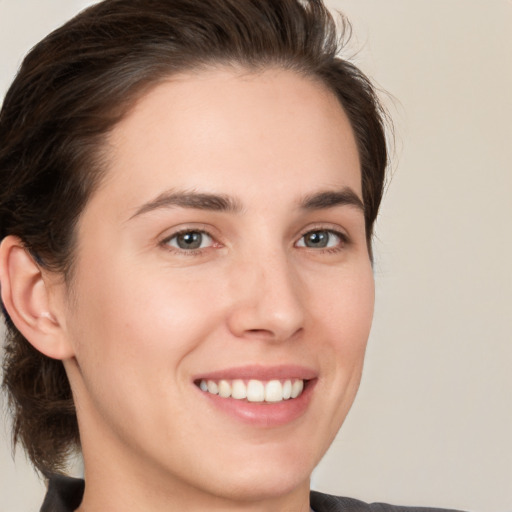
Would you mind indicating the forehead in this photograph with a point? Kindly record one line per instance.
(224, 129)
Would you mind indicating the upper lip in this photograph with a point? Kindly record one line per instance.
(260, 372)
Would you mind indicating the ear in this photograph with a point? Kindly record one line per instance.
(27, 297)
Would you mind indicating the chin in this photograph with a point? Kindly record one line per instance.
(266, 484)
(271, 477)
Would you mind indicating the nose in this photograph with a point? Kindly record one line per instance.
(266, 299)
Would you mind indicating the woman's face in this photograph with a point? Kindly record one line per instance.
(226, 248)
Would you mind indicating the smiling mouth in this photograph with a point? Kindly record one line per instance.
(253, 390)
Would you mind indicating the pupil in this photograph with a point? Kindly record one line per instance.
(317, 239)
(191, 240)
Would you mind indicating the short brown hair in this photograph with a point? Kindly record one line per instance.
(72, 89)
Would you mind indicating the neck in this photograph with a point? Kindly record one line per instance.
(116, 493)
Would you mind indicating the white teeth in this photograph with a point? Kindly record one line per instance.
(212, 387)
(255, 390)
(224, 389)
(287, 389)
(297, 387)
(238, 390)
(273, 391)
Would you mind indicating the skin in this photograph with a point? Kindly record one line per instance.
(143, 318)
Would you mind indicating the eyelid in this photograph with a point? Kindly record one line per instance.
(333, 228)
(336, 230)
(209, 231)
(201, 228)
(177, 235)
(185, 227)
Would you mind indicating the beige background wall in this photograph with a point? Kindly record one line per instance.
(433, 420)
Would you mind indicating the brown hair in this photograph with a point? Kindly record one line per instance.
(77, 83)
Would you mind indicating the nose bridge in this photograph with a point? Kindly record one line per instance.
(266, 296)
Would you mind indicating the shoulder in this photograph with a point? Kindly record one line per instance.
(326, 503)
(64, 494)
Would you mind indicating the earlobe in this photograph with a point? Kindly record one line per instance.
(26, 297)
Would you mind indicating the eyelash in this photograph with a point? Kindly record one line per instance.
(187, 252)
(344, 240)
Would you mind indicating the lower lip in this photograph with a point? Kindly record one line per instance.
(264, 414)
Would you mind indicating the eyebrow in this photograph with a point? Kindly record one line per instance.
(332, 198)
(195, 200)
(224, 203)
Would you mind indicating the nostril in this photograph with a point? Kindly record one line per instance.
(260, 333)
(272, 335)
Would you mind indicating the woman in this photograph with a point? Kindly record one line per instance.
(187, 203)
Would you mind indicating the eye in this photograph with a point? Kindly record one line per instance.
(190, 240)
(321, 239)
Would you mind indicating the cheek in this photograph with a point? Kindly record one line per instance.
(139, 319)
(345, 317)
(133, 333)
(346, 309)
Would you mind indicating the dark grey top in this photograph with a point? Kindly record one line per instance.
(65, 494)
